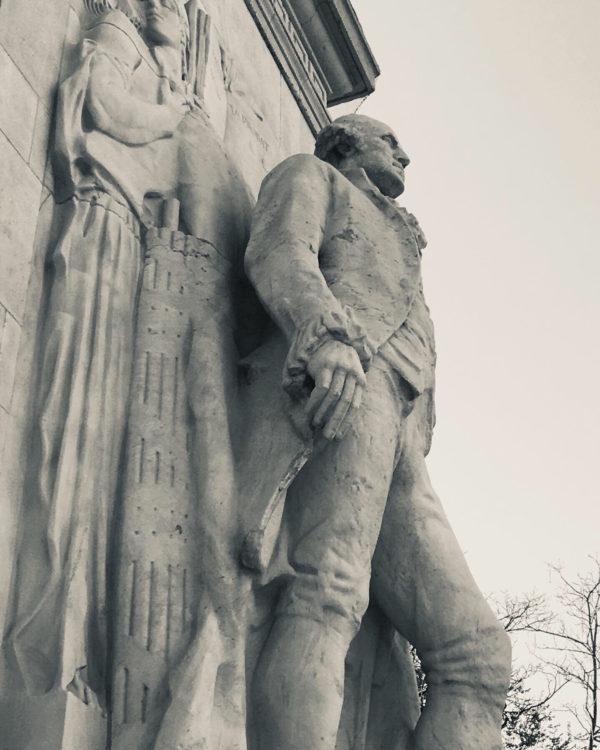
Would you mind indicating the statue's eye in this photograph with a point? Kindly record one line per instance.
(391, 140)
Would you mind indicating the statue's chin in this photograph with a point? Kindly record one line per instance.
(390, 183)
(393, 189)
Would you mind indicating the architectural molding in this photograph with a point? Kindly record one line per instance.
(321, 51)
(336, 39)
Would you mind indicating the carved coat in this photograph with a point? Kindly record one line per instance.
(331, 257)
(312, 229)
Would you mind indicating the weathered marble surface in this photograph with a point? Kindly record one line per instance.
(118, 139)
(196, 541)
(129, 588)
(337, 265)
(28, 34)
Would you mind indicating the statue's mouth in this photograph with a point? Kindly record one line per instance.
(399, 170)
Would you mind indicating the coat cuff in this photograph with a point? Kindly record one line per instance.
(311, 336)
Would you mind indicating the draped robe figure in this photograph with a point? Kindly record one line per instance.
(127, 128)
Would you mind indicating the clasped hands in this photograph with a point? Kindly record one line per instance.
(339, 385)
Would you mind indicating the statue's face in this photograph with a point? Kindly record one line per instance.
(381, 156)
(163, 25)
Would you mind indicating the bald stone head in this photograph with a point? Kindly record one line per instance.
(360, 142)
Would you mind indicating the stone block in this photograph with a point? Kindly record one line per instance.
(3, 432)
(253, 148)
(9, 347)
(19, 205)
(18, 104)
(296, 136)
(76, 20)
(32, 33)
(7, 531)
(254, 71)
(253, 83)
(212, 85)
(38, 155)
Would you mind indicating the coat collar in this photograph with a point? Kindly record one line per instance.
(358, 177)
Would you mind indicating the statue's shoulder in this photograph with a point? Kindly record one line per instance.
(304, 167)
(116, 36)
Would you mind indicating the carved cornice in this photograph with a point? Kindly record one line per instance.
(289, 50)
(321, 51)
(336, 39)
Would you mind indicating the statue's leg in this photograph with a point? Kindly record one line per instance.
(333, 512)
(422, 582)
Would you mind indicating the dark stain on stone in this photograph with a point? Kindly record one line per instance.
(348, 235)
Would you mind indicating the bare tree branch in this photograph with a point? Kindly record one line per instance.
(567, 642)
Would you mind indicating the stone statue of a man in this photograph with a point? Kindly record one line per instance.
(337, 264)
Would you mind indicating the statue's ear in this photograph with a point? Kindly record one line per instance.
(334, 143)
(345, 143)
(344, 146)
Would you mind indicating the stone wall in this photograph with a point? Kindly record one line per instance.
(36, 38)
(32, 41)
(255, 113)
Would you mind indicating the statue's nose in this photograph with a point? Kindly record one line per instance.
(402, 157)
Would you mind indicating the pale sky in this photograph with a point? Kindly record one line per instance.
(497, 102)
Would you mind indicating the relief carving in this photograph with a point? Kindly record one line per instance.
(130, 136)
(229, 535)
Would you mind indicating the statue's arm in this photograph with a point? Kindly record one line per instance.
(115, 110)
(282, 257)
(282, 261)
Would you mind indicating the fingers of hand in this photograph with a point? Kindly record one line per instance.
(342, 408)
(339, 384)
(315, 401)
(320, 390)
(325, 377)
(331, 398)
(358, 394)
(340, 433)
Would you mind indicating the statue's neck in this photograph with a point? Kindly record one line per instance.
(358, 177)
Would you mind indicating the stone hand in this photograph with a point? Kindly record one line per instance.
(178, 107)
(339, 384)
(117, 112)
(175, 101)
